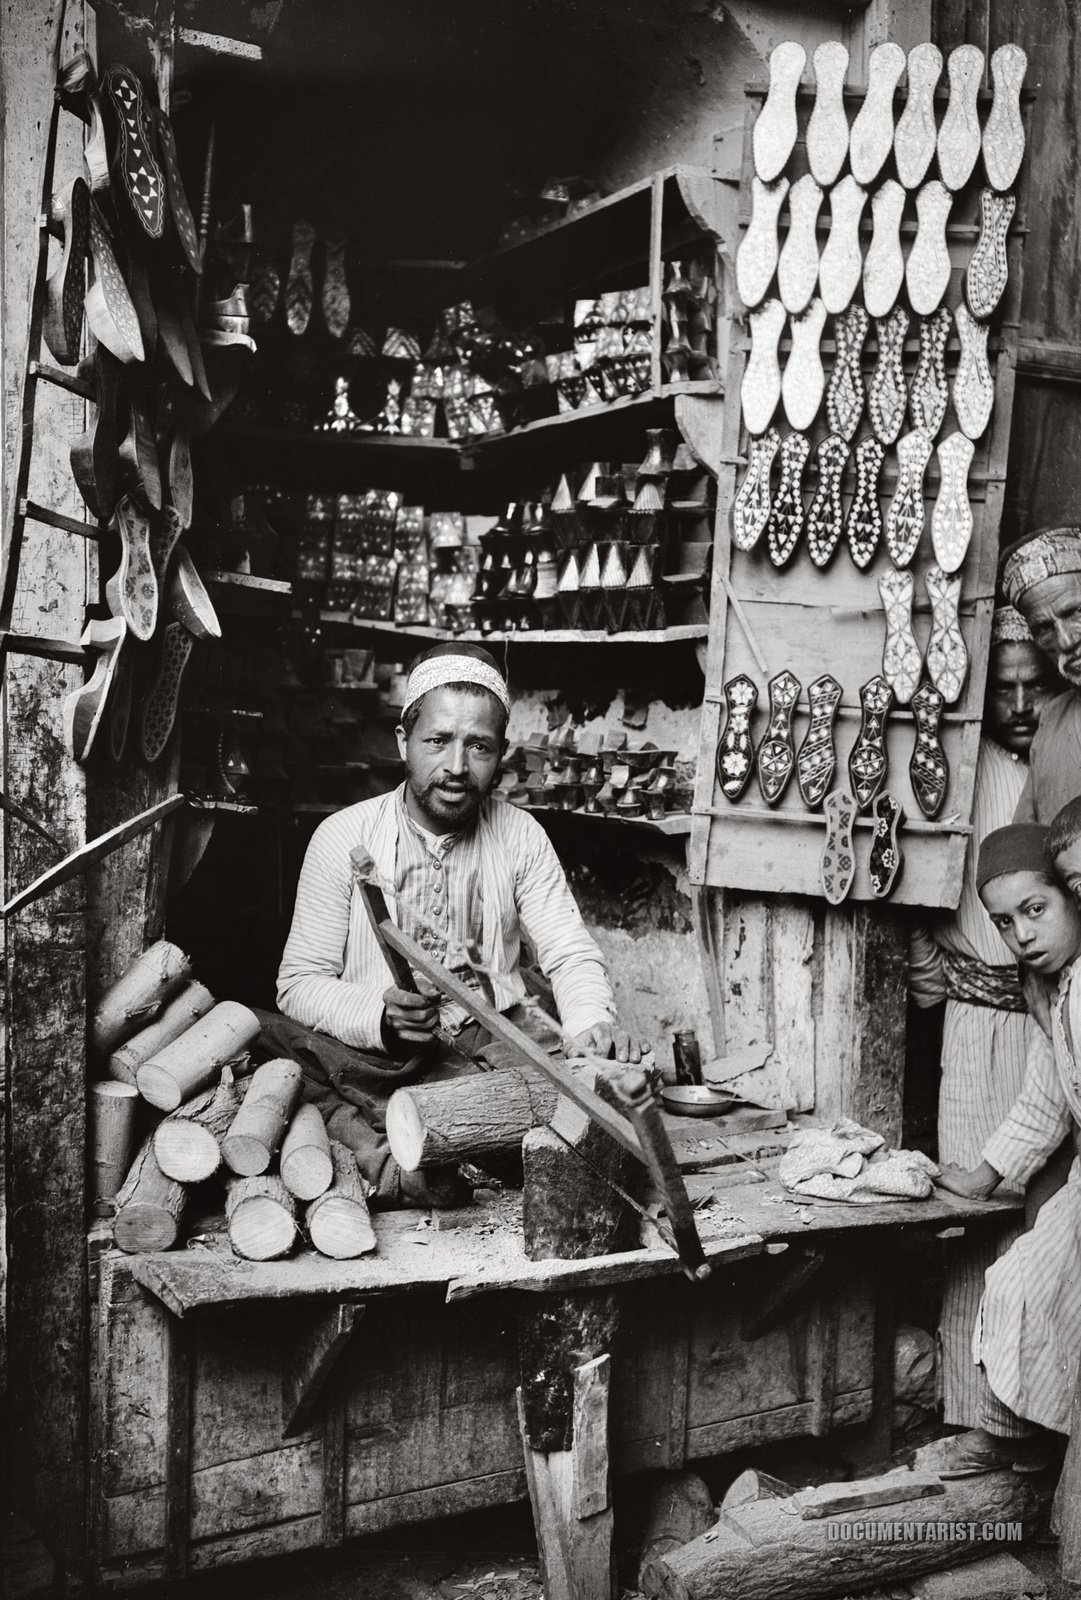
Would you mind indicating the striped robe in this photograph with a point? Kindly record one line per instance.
(1028, 1332)
(983, 1068)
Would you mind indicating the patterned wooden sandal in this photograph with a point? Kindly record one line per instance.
(139, 458)
(84, 709)
(816, 761)
(777, 753)
(77, 91)
(951, 523)
(298, 288)
(928, 767)
(929, 394)
(902, 663)
(735, 758)
(335, 297)
(138, 584)
(867, 760)
(66, 288)
(845, 395)
(887, 859)
(864, 525)
(827, 130)
(786, 515)
(165, 530)
(973, 386)
(120, 702)
(916, 135)
(108, 305)
(804, 381)
(871, 139)
(95, 454)
(751, 506)
(837, 869)
(905, 517)
(797, 267)
(947, 657)
(188, 599)
(989, 269)
(179, 209)
(884, 268)
(159, 708)
(842, 261)
(887, 396)
(757, 256)
(181, 483)
(134, 160)
(927, 273)
(825, 516)
(761, 387)
(959, 136)
(170, 332)
(774, 134)
(1004, 133)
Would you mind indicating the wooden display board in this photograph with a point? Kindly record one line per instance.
(812, 621)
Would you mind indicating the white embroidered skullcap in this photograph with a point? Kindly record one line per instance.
(1008, 626)
(435, 672)
(1051, 553)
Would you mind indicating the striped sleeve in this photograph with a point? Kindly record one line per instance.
(1038, 1120)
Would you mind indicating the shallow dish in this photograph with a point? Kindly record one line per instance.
(695, 1100)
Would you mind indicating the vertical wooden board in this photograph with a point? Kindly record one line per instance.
(237, 1387)
(793, 1058)
(649, 1377)
(134, 1399)
(836, 1059)
(589, 1438)
(860, 1063)
(727, 1377)
(747, 971)
(855, 1326)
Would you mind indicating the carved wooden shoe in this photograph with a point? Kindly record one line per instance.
(825, 517)
(777, 754)
(761, 387)
(786, 515)
(901, 659)
(816, 761)
(84, 709)
(298, 288)
(95, 454)
(189, 601)
(959, 135)
(179, 209)
(134, 160)
(751, 506)
(905, 517)
(774, 133)
(1004, 133)
(138, 583)
(165, 529)
(842, 262)
(928, 768)
(887, 396)
(916, 134)
(804, 381)
(159, 708)
(947, 657)
(988, 268)
(887, 859)
(734, 752)
(837, 869)
(827, 130)
(929, 394)
(109, 308)
(66, 288)
(951, 524)
(139, 458)
(797, 268)
(266, 291)
(845, 395)
(867, 761)
(973, 387)
(77, 91)
(927, 273)
(864, 525)
(336, 301)
(871, 139)
(170, 332)
(884, 268)
(181, 483)
(118, 718)
(757, 256)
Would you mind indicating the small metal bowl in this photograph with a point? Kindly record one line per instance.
(695, 1100)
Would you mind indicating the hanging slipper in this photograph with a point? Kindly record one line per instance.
(137, 591)
(180, 477)
(139, 458)
(298, 288)
(191, 340)
(77, 90)
(119, 712)
(66, 288)
(1004, 133)
(165, 529)
(335, 297)
(916, 134)
(138, 282)
(189, 601)
(95, 454)
(108, 305)
(774, 134)
(837, 867)
(158, 714)
(85, 708)
(134, 161)
(179, 209)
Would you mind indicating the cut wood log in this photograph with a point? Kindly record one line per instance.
(176, 1017)
(188, 1142)
(262, 1119)
(754, 1485)
(464, 1119)
(306, 1167)
(995, 1578)
(760, 1551)
(338, 1223)
(112, 1112)
(135, 999)
(149, 1206)
(680, 1507)
(193, 1061)
(261, 1214)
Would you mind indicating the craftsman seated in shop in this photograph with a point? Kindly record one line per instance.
(1027, 1340)
(466, 875)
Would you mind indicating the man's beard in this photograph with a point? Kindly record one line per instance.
(434, 805)
(1069, 667)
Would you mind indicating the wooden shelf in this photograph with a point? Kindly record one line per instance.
(675, 824)
(677, 634)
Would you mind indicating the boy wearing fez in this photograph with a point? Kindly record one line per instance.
(1027, 1340)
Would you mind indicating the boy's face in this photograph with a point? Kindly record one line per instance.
(1068, 867)
(1039, 922)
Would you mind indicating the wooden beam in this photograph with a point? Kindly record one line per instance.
(77, 862)
(317, 1347)
(1052, 360)
(590, 1492)
(178, 1450)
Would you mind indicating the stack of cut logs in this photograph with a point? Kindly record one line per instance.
(169, 1046)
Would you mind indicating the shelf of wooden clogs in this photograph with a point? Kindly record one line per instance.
(675, 824)
(677, 634)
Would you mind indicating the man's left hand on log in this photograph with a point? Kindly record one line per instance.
(606, 1041)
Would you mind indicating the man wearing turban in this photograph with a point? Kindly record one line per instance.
(1041, 576)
